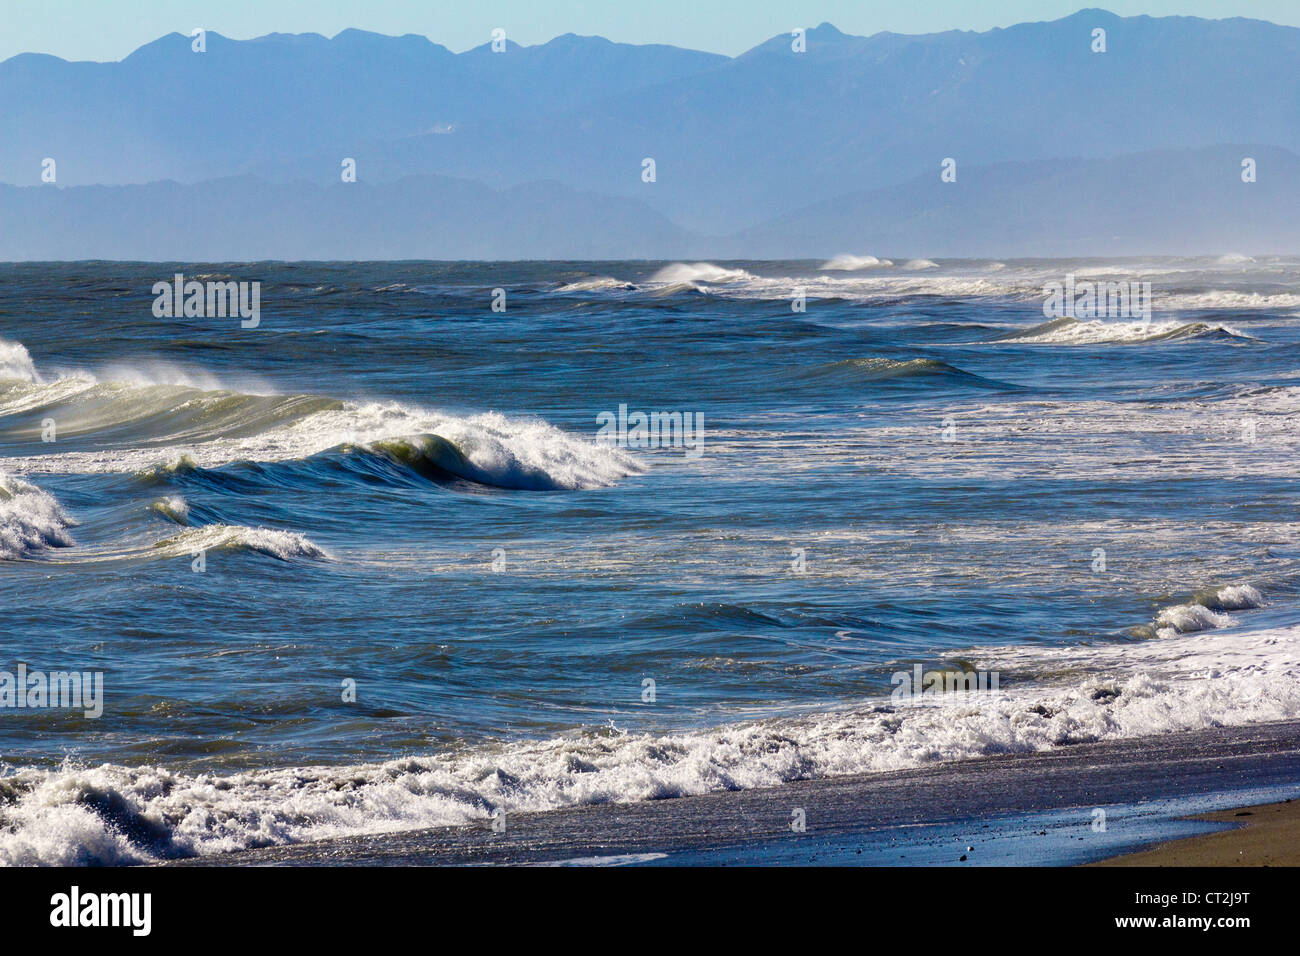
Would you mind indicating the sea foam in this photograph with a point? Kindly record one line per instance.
(77, 815)
(31, 520)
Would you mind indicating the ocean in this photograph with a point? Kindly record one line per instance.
(432, 542)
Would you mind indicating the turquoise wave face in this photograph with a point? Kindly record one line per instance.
(493, 528)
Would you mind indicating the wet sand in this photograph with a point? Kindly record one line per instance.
(1267, 835)
(1076, 804)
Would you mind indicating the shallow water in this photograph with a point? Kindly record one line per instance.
(391, 483)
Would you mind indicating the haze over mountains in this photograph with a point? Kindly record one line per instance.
(536, 152)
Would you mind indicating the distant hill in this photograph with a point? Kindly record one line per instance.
(771, 150)
(1173, 202)
(166, 112)
(1166, 201)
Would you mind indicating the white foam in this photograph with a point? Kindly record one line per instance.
(680, 273)
(505, 451)
(847, 263)
(145, 374)
(531, 454)
(16, 363)
(1208, 611)
(31, 520)
(876, 287)
(1229, 300)
(173, 507)
(1239, 597)
(1104, 692)
(596, 284)
(222, 537)
(1185, 618)
(1101, 331)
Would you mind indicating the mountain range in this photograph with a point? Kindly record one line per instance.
(539, 152)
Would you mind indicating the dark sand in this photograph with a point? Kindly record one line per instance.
(1021, 809)
(1267, 835)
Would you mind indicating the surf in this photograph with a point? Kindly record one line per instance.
(31, 520)
(136, 427)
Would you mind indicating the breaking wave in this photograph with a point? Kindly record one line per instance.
(1207, 610)
(284, 545)
(153, 429)
(846, 263)
(693, 273)
(15, 363)
(1216, 299)
(174, 508)
(597, 284)
(111, 814)
(1068, 331)
(31, 520)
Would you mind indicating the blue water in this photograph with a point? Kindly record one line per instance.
(445, 530)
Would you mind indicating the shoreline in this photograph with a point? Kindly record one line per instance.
(1077, 804)
(1265, 834)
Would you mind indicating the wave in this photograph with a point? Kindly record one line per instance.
(847, 263)
(693, 273)
(160, 429)
(31, 520)
(173, 508)
(1068, 331)
(157, 413)
(879, 369)
(487, 450)
(876, 288)
(597, 284)
(284, 545)
(1227, 300)
(1206, 610)
(15, 362)
(918, 264)
(111, 814)
(436, 457)
(491, 449)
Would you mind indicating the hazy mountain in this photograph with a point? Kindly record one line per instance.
(1174, 202)
(166, 112)
(785, 152)
(773, 130)
(1161, 202)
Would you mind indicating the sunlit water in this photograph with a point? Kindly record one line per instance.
(392, 484)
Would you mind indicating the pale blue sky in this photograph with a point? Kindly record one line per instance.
(110, 29)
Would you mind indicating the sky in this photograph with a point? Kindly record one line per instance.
(111, 29)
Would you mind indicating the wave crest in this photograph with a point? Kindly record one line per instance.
(847, 263)
(690, 273)
(1068, 331)
(284, 545)
(16, 363)
(1207, 610)
(113, 814)
(31, 520)
(597, 284)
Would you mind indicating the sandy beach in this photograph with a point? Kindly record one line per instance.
(1265, 835)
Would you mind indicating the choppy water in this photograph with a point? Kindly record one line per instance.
(393, 484)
